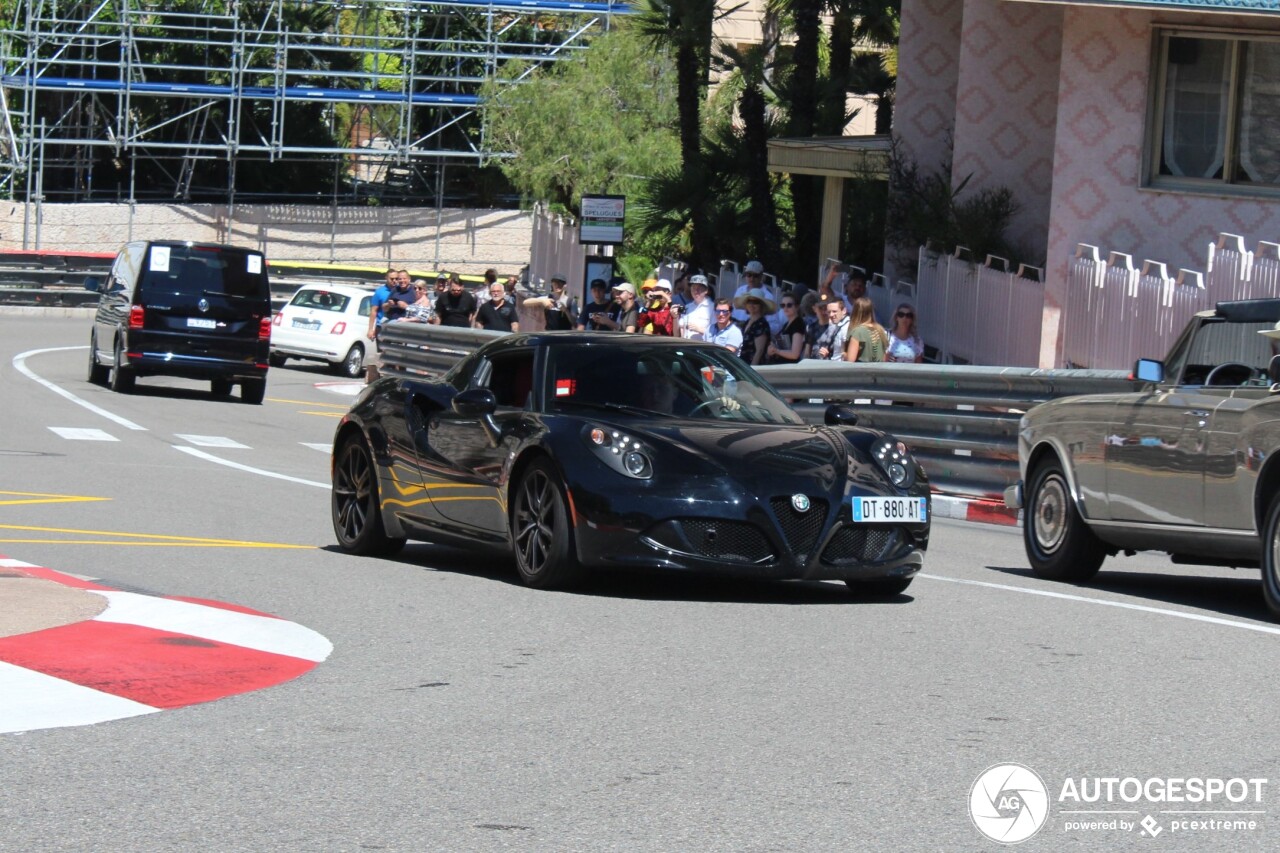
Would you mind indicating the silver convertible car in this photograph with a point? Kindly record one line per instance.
(1188, 464)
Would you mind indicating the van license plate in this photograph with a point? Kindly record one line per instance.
(201, 323)
(890, 509)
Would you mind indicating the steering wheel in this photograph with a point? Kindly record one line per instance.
(723, 402)
(1244, 371)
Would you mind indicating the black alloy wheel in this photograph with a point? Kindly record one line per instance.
(97, 373)
(356, 510)
(1271, 558)
(122, 378)
(1059, 544)
(540, 532)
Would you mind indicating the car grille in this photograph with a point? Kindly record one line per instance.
(855, 543)
(801, 529)
(730, 541)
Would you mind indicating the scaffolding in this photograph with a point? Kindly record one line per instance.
(136, 100)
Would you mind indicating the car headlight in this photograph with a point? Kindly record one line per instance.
(621, 452)
(894, 460)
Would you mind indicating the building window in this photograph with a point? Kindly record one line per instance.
(1216, 113)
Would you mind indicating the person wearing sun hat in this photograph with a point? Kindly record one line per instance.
(757, 304)
(752, 277)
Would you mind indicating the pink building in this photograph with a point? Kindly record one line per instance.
(1143, 127)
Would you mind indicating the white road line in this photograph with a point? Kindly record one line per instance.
(200, 454)
(83, 434)
(264, 633)
(316, 445)
(211, 441)
(20, 364)
(1195, 617)
(33, 700)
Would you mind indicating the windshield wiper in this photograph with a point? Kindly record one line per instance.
(609, 407)
(229, 295)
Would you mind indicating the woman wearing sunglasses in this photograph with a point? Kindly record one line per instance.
(905, 343)
(787, 346)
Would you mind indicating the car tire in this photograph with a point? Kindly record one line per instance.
(220, 387)
(541, 536)
(352, 366)
(122, 378)
(276, 360)
(1271, 558)
(253, 391)
(97, 373)
(877, 587)
(1059, 544)
(354, 503)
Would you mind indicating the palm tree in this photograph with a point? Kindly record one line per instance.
(684, 27)
(752, 65)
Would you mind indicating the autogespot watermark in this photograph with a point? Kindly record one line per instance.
(1009, 803)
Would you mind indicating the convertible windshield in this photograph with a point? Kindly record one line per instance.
(690, 382)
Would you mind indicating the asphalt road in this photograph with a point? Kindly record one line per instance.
(461, 711)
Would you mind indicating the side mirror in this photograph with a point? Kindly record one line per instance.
(93, 283)
(475, 403)
(839, 416)
(1149, 370)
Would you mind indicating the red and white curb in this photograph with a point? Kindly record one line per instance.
(144, 654)
(971, 509)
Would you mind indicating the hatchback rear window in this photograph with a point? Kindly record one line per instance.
(322, 300)
(205, 271)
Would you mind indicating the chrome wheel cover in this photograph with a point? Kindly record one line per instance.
(1049, 513)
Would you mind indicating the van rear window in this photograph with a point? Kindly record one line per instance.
(202, 271)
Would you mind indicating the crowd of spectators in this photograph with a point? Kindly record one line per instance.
(761, 327)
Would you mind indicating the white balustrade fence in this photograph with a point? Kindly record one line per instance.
(1117, 313)
(978, 313)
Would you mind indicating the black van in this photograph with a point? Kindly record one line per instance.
(200, 311)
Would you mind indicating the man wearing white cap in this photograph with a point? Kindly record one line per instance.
(627, 316)
(697, 316)
(752, 277)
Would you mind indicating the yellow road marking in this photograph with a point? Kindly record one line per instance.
(131, 538)
(323, 414)
(41, 498)
(343, 406)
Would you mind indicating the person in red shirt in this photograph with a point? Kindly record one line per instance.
(659, 319)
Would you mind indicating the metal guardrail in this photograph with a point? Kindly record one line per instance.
(960, 421)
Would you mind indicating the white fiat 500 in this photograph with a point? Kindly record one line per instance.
(324, 322)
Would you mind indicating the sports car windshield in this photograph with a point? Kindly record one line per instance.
(693, 382)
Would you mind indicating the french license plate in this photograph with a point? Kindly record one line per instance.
(201, 323)
(884, 509)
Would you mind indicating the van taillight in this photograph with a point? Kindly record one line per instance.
(264, 329)
(137, 314)
(338, 327)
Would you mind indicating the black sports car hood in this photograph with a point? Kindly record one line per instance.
(760, 456)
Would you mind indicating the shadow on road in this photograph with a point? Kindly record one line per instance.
(1229, 596)
(648, 585)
